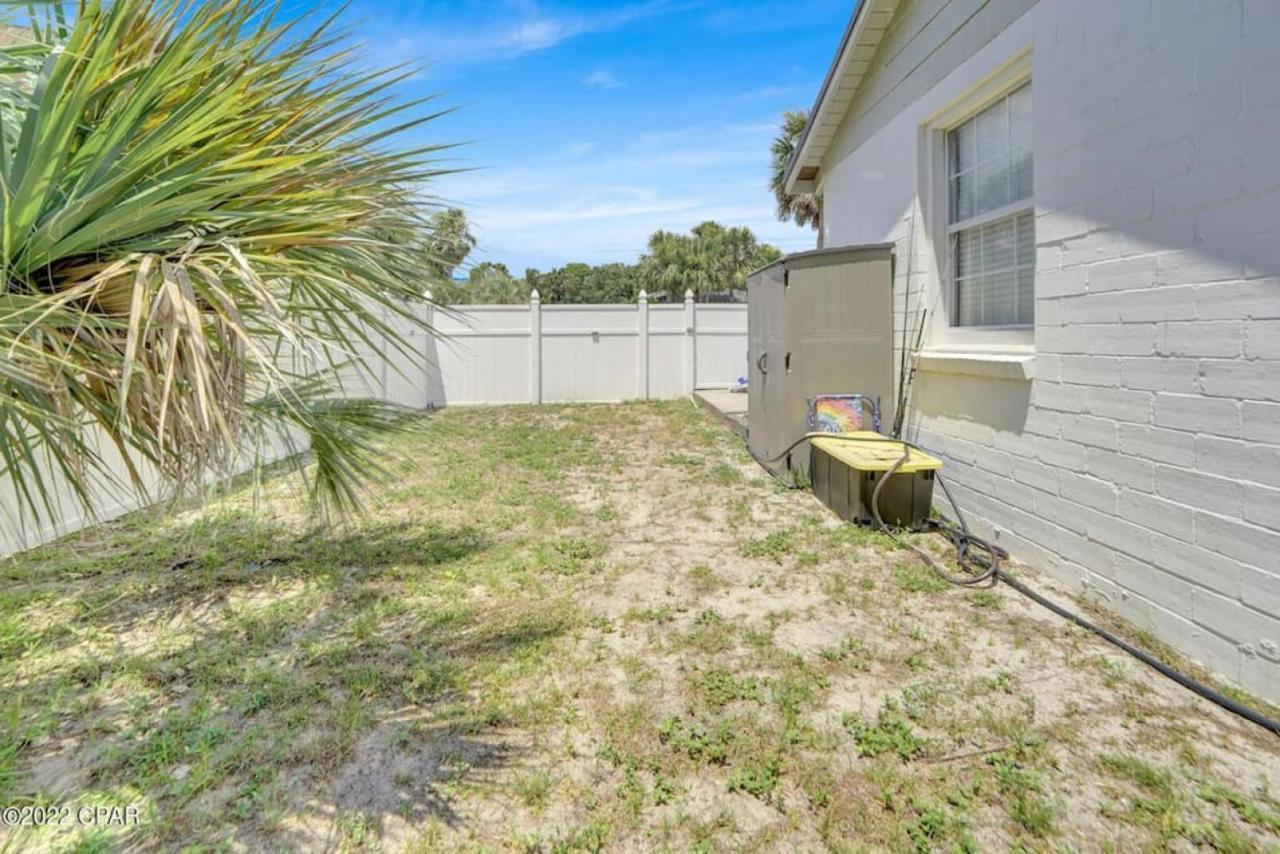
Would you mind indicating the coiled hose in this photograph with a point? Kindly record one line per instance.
(980, 560)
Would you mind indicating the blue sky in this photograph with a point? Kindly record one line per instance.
(590, 125)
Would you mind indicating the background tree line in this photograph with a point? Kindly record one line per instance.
(710, 259)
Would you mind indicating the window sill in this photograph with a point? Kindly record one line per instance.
(1020, 366)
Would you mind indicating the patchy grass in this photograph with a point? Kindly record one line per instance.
(774, 546)
(557, 633)
(889, 733)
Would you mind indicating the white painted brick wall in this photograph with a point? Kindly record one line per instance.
(1143, 466)
(1165, 334)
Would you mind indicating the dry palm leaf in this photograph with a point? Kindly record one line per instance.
(191, 189)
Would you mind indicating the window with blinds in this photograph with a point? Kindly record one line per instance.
(991, 215)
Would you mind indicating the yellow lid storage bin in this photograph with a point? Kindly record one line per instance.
(845, 474)
(867, 451)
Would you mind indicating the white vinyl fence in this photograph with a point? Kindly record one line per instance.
(577, 353)
(495, 354)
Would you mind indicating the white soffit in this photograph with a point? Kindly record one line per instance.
(853, 59)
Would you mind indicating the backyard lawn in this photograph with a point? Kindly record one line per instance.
(585, 627)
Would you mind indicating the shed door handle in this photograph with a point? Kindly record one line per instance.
(763, 363)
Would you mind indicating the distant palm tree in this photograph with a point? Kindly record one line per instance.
(710, 258)
(802, 208)
(203, 218)
(450, 242)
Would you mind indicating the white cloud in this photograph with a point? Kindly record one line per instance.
(774, 93)
(602, 78)
(492, 35)
(599, 204)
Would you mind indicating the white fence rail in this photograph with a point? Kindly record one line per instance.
(539, 353)
(508, 354)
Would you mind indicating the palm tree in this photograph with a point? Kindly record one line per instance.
(710, 258)
(205, 217)
(450, 242)
(802, 208)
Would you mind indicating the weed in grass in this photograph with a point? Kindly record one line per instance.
(631, 793)
(1034, 814)
(189, 736)
(664, 789)
(11, 742)
(718, 687)
(711, 633)
(357, 832)
(573, 554)
(703, 834)
(688, 462)
(579, 549)
(737, 511)
(918, 578)
(922, 702)
(589, 836)
(795, 691)
(430, 677)
(703, 579)
(707, 742)
(1022, 788)
(757, 777)
(723, 474)
(365, 681)
(933, 825)
(1249, 810)
(855, 536)
(891, 732)
(251, 794)
(837, 587)
(852, 651)
(1156, 780)
(985, 599)
(534, 788)
(759, 636)
(1003, 682)
(1112, 671)
(818, 783)
(774, 546)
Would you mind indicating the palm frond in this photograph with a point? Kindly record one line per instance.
(187, 188)
(802, 208)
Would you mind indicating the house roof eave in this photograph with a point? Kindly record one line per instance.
(867, 25)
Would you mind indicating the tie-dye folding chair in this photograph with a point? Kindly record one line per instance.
(843, 413)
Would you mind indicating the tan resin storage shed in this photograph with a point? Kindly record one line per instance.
(818, 322)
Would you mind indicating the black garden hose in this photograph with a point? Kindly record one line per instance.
(980, 559)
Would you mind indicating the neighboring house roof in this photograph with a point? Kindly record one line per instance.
(867, 26)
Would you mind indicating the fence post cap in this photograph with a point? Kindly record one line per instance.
(427, 295)
(644, 295)
(688, 295)
(533, 295)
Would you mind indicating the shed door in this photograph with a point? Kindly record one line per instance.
(766, 324)
(839, 326)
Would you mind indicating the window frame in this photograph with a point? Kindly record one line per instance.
(935, 176)
(1008, 211)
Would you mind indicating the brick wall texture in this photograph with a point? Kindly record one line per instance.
(1147, 472)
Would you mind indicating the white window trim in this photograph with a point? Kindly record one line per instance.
(946, 339)
(990, 216)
